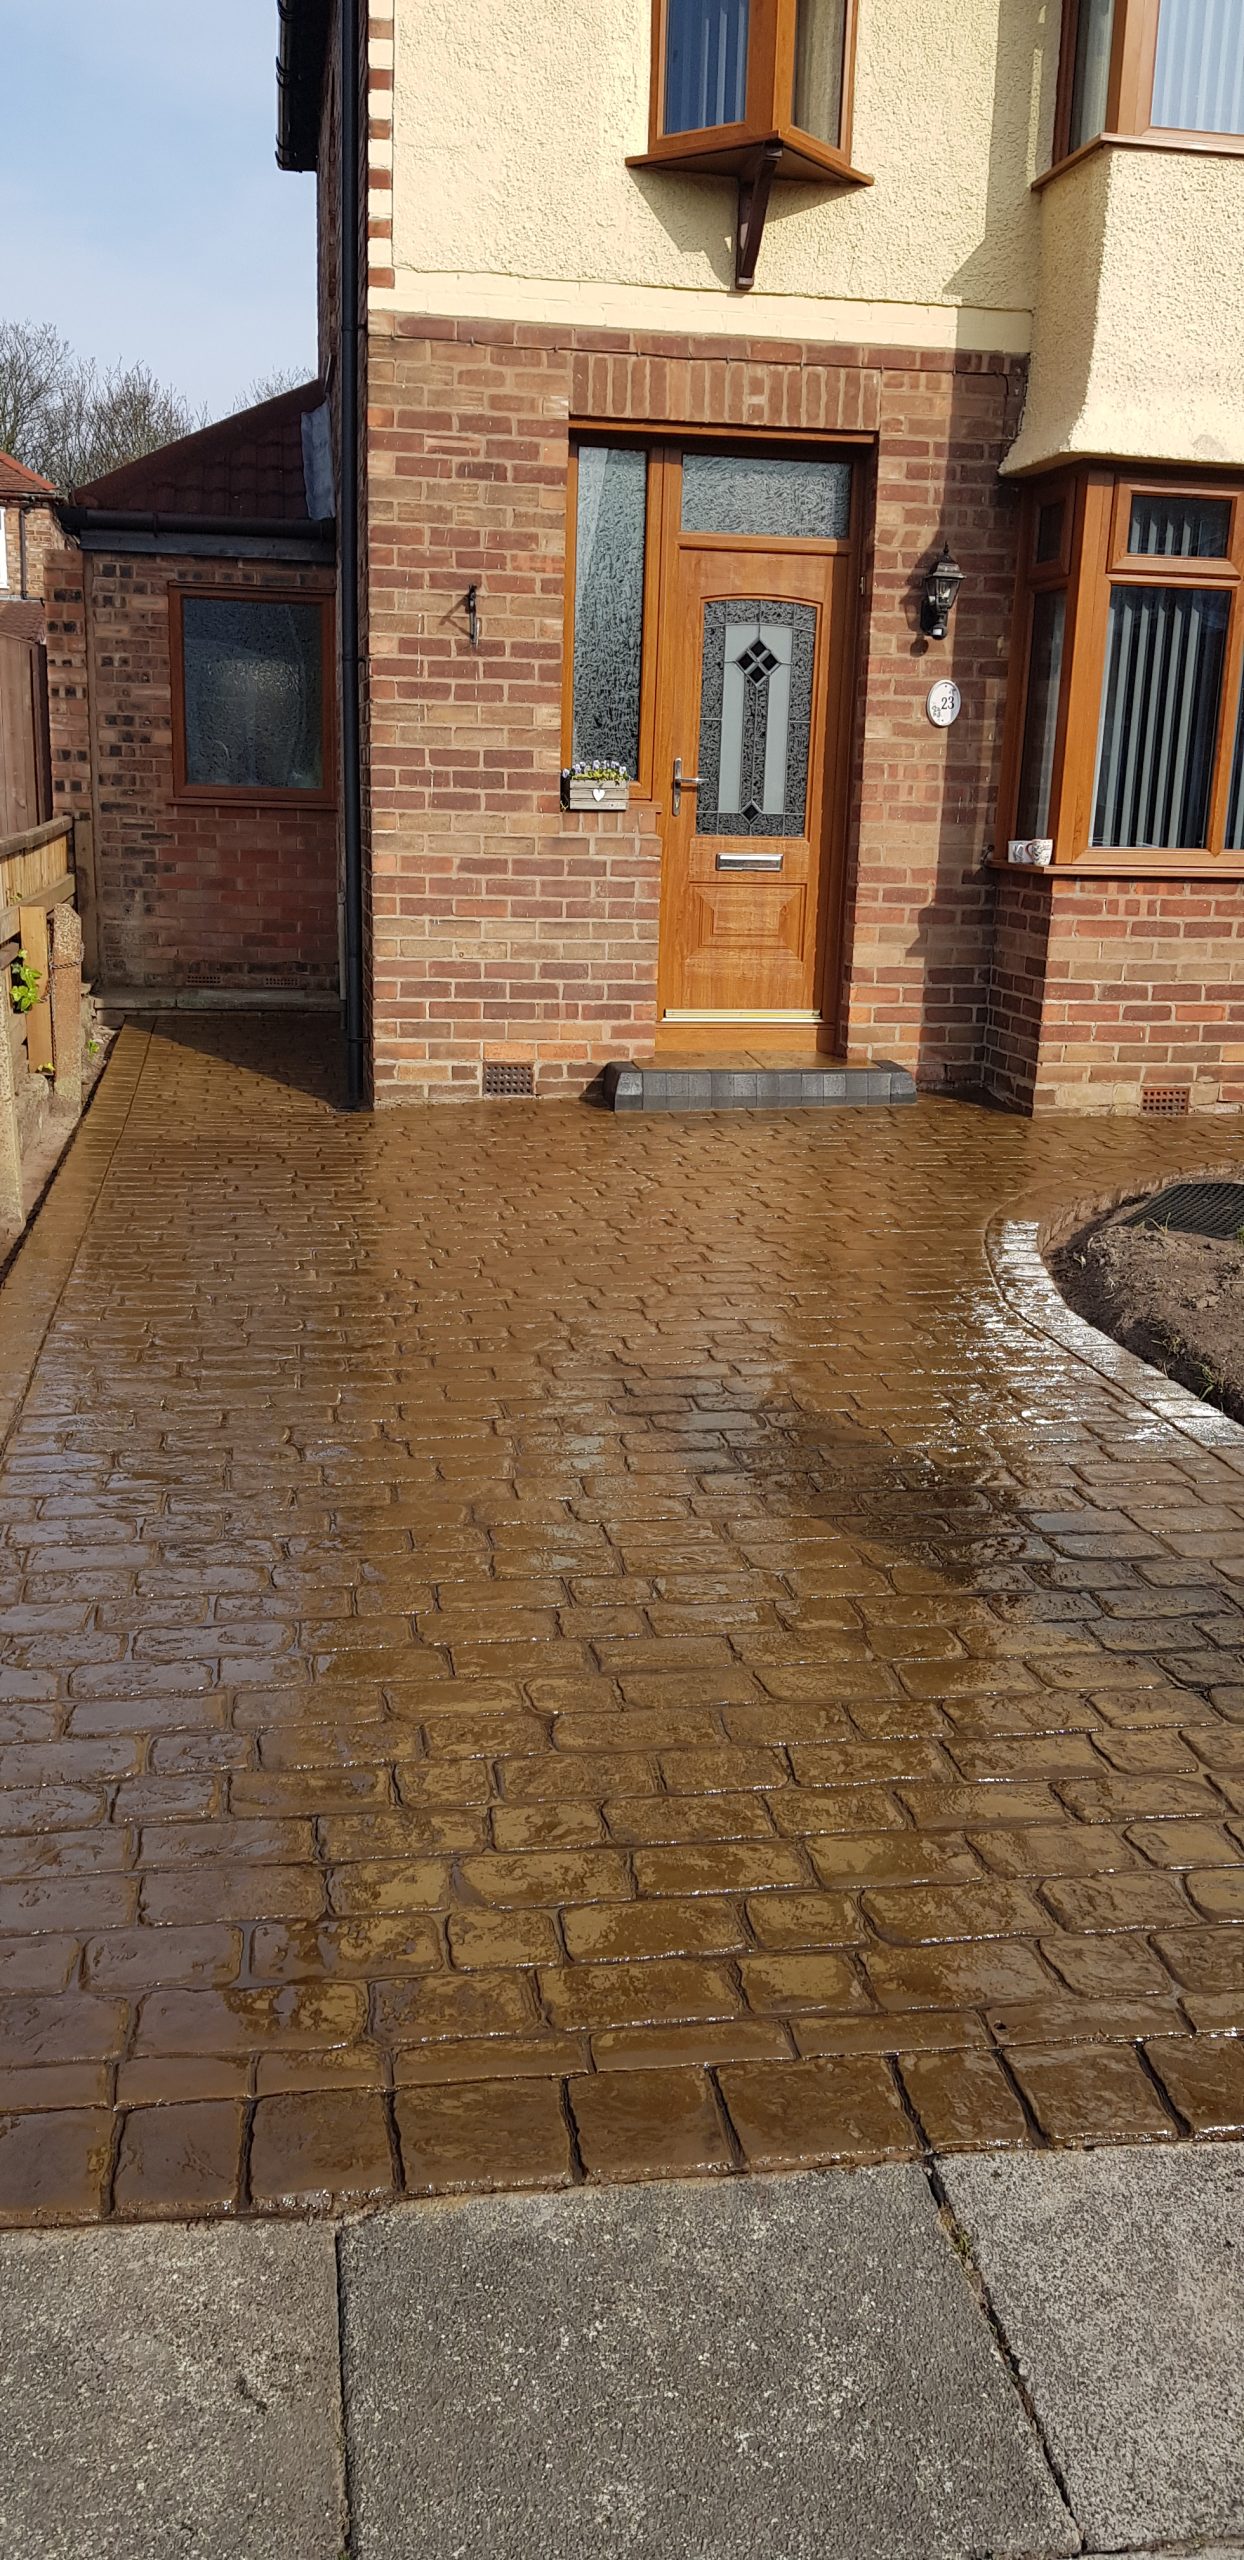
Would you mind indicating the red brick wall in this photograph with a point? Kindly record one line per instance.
(500, 924)
(186, 894)
(43, 537)
(1142, 986)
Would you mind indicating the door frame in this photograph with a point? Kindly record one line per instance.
(664, 443)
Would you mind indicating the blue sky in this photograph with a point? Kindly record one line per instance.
(141, 206)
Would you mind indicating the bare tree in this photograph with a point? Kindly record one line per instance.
(59, 414)
(34, 364)
(269, 386)
(102, 420)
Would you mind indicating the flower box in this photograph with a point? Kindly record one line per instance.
(595, 791)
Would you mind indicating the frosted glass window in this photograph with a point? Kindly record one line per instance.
(1181, 528)
(254, 694)
(1198, 79)
(820, 31)
(745, 493)
(1045, 667)
(705, 64)
(609, 604)
(1159, 715)
(755, 718)
(1090, 78)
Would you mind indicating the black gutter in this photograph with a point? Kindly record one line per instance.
(350, 250)
(136, 520)
(305, 26)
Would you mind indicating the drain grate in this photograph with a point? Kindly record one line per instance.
(1194, 1209)
(508, 1077)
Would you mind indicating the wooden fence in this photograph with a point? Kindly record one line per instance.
(25, 764)
(39, 923)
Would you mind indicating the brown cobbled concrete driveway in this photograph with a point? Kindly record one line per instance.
(538, 1646)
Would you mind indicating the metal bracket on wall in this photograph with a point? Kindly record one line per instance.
(755, 187)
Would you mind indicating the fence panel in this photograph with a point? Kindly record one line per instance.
(25, 761)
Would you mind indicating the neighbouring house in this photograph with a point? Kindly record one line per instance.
(29, 531)
(669, 345)
(190, 631)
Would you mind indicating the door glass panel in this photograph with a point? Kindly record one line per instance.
(755, 718)
(705, 64)
(1198, 79)
(1159, 715)
(1181, 528)
(609, 604)
(819, 29)
(752, 493)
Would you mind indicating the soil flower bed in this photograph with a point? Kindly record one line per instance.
(1176, 1300)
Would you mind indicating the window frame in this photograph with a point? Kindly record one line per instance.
(665, 448)
(1095, 560)
(728, 149)
(1129, 92)
(246, 794)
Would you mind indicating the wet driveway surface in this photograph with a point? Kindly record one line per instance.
(539, 1646)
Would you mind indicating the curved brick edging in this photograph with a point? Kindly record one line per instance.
(1013, 1247)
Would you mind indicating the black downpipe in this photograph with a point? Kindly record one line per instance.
(348, 572)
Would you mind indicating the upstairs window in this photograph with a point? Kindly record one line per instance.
(1149, 68)
(734, 77)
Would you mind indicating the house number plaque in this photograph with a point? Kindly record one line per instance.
(943, 703)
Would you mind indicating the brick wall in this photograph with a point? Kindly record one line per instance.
(186, 894)
(1142, 987)
(43, 537)
(502, 926)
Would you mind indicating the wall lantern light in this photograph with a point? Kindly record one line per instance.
(941, 586)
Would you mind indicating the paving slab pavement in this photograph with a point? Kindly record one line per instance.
(1118, 2279)
(1032, 2357)
(788, 2366)
(170, 2393)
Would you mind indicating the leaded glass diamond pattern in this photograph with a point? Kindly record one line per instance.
(755, 717)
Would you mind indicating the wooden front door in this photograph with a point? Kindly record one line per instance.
(750, 740)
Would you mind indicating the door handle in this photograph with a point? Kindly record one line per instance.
(681, 782)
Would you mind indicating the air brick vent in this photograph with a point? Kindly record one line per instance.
(502, 1076)
(1166, 1101)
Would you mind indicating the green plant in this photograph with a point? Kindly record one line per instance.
(27, 985)
(92, 1048)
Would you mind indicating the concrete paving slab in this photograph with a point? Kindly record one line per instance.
(769, 2369)
(1118, 2279)
(169, 2392)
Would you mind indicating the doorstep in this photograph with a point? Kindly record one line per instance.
(723, 1083)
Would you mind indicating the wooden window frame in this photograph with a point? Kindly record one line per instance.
(245, 794)
(663, 529)
(1095, 560)
(732, 149)
(1129, 92)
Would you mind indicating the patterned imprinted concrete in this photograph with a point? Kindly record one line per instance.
(540, 1648)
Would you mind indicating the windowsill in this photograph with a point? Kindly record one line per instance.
(1224, 146)
(1136, 866)
(803, 160)
(206, 795)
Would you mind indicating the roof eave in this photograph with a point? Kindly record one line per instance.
(305, 26)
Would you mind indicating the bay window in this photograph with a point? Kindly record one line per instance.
(1149, 70)
(1126, 725)
(756, 90)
